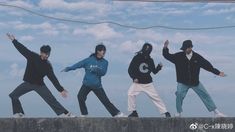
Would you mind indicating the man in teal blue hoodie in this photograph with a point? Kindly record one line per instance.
(95, 67)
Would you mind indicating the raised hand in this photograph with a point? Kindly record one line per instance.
(166, 44)
(10, 36)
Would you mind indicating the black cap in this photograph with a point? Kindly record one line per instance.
(186, 44)
(45, 49)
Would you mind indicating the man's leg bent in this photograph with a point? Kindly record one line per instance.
(100, 93)
(47, 96)
(19, 91)
(82, 96)
(133, 91)
(205, 97)
(152, 93)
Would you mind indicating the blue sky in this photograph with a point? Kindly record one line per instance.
(72, 42)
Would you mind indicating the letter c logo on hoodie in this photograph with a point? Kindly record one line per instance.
(143, 68)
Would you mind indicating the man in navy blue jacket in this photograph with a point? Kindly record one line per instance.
(95, 67)
(188, 64)
(38, 66)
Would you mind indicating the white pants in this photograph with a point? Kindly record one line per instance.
(149, 89)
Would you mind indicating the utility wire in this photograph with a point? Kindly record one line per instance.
(116, 23)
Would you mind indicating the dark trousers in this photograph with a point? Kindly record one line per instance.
(99, 92)
(43, 91)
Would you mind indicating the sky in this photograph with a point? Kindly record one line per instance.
(73, 41)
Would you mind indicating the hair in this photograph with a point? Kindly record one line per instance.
(144, 47)
(99, 47)
(45, 49)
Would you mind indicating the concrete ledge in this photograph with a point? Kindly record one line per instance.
(116, 124)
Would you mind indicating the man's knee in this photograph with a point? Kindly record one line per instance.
(13, 96)
(130, 94)
(180, 95)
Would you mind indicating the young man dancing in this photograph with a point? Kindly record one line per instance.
(188, 64)
(38, 66)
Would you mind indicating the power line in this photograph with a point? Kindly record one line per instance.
(117, 24)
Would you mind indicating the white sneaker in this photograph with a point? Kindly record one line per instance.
(178, 115)
(18, 115)
(220, 115)
(83, 116)
(68, 115)
(120, 114)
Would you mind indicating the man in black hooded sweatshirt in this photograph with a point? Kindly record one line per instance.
(37, 67)
(141, 66)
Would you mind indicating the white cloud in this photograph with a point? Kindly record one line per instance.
(14, 11)
(179, 37)
(15, 71)
(215, 5)
(46, 27)
(20, 3)
(130, 46)
(230, 19)
(141, 8)
(149, 35)
(219, 11)
(83, 5)
(26, 38)
(62, 26)
(100, 32)
(2, 25)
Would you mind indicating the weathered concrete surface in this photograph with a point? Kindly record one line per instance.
(114, 124)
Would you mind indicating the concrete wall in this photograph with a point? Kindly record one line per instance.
(114, 124)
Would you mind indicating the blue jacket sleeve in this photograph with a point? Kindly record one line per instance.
(80, 64)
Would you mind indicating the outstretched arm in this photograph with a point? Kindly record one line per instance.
(166, 54)
(205, 64)
(20, 47)
(75, 66)
(54, 80)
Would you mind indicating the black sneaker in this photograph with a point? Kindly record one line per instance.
(167, 114)
(133, 114)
